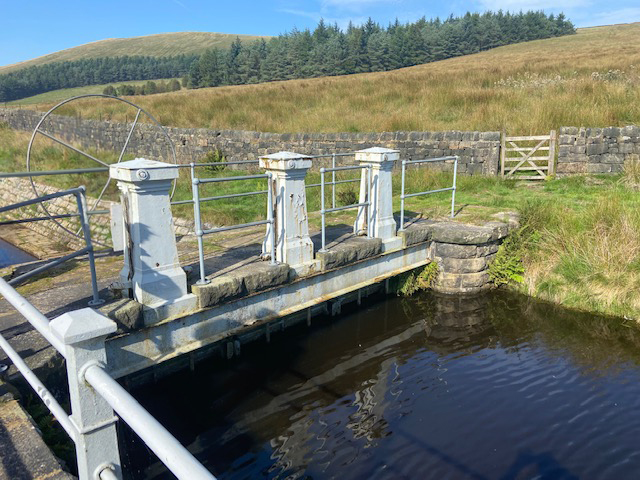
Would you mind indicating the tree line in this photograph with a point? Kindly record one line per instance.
(328, 50)
(93, 71)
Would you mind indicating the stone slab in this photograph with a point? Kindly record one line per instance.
(349, 250)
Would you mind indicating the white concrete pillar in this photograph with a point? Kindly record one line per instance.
(84, 332)
(293, 244)
(381, 214)
(151, 265)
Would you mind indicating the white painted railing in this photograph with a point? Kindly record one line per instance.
(79, 337)
(366, 204)
(452, 188)
(200, 232)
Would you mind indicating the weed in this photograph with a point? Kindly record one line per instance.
(416, 280)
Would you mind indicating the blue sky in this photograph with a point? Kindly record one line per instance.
(31, 28)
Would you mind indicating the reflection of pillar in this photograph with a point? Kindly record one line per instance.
(151, 264)
(293, 244)
(383, 224)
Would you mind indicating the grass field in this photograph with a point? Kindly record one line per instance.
(56, 96)
(591, 79)
(160, 45)
(579, 245)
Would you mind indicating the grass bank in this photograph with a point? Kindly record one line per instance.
(579, 245)
(588, 79)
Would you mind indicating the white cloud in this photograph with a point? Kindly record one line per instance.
(352, 5)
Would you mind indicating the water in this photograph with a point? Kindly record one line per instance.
(496, 387)
(12, 255)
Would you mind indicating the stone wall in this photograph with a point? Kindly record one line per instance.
(597, 150)
(478, 151)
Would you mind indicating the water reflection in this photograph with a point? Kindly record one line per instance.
(496, 386)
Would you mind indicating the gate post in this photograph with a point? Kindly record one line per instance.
(293, 244)
(84, 332)
(380, 214)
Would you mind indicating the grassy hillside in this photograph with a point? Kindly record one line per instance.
(591, 78)
(56, 96)
(160, 45)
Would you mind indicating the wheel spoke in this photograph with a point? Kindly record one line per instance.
(71, 147)
(126, 144)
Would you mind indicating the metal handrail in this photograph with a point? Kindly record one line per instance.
(200, 232)
(81, 201)
(333, 182)
(366, 205)
(173, 454)
(452, 189)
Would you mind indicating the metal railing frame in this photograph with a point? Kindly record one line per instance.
(81, 201)
(366, 205)
(200, 232)
(452, 189)
(173, 454)
(333, 182)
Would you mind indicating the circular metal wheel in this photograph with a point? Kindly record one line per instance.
(92, 204)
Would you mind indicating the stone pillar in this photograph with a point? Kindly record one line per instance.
(151, 266)
(293, 244)
(84, 332)
(383, 225)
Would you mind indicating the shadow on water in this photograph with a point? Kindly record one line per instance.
(495, 386)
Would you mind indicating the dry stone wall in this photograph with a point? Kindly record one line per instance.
(478, 151)
(597, 150)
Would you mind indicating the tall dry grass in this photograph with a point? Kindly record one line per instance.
(525, 88)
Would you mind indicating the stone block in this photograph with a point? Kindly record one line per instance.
(349, 251)
(571, 167)
(598, 168)
(416, 233)
(263, 275)
(219, 290)
(596, 149)
(462, 265)
(126, 313)
(459, 234)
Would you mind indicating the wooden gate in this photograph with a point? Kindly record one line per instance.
(521, 157)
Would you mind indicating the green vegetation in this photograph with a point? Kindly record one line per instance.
(369, 47)
(56, 96)
(159, 45)
(554, 86)
(54, 76)
(417, 280)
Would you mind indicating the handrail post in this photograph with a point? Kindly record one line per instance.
(271, 219)
(197, 219)
(404, 166)
(453, 192)
(333, 181)
(322, 211)
(83, 333)
(81, 200)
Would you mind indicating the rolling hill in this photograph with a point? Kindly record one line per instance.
(160, 45)
(590, 79)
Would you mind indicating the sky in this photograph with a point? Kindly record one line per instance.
(30, 28)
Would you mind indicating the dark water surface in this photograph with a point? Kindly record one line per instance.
(494, 387)
(12, 255)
